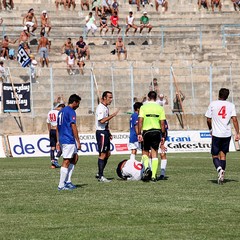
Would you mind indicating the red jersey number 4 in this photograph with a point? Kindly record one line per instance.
(222, 112)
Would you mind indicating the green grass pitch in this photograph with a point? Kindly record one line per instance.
(189, 205)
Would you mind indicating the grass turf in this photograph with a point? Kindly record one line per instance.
(189, 205)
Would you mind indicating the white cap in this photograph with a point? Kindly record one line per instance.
(144, 12)
(25, 28)
(161, 95)
(56, 105)
(44, 11)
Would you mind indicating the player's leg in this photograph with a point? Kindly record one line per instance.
(103, 141)
(73, 162)
(69, 151)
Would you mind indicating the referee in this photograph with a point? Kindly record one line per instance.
(151, 131)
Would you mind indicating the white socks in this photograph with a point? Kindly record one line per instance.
(163, 166)
(70, 172)
(63, 176)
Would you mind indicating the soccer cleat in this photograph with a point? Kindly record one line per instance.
(147, 174)
(65, 188)
(70, 185)
(103, 179)
(153, 180)
(55, 163)
(97, 176)
(221, 177)
(161, 177)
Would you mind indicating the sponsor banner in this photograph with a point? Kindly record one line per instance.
(178, 141)
(23, 94)
(2, 152)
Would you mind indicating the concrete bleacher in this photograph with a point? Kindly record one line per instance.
(191, 38)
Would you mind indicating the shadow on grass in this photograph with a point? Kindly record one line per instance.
(81, 185)
(225, 181)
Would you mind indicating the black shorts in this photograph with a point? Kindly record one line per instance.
(220, 145)
(151, 139)
(103, 140)
(53, 137)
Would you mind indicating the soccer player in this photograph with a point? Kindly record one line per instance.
(103, 134)
(133, 139)
(52, 125)
(151, 131)
(218, 115)
(130, 170)
(68, 139)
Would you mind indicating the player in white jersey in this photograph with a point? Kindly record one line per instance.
(130, 170)
(52, 125)
(218, 115)
(103, 134)
(130, 23)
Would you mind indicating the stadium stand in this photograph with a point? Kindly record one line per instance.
(201, 47)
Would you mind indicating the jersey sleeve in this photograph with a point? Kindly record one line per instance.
(208, 113)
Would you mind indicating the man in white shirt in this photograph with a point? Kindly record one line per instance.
(103, 134)
(130, 23)
(218, 115)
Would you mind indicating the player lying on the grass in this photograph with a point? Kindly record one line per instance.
(132, 170)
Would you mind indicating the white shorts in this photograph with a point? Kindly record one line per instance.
(134, 145)
(69, 150)
(29, 24)
(91, 26)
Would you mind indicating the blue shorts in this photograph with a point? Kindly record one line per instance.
(103, 140)
(220, 145)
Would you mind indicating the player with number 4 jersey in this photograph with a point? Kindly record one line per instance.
(219, 115)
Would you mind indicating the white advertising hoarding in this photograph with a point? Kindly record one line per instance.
(177, 141)
(2, 152)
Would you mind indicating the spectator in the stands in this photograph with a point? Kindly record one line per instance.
(106, 6)
(8, 3)
(70, 60)
(5, 47)
(71, 3)
(24, 38)
(45, 22)
(236, 5)
(217, 4)
(137, 2)
(67, 47)
(203, 3)
(91, 23)
(130, 23)
(163, 3)
(82, 48)
(103, 24)
(30, 20)
(85, 3)
(120, 47)
(144, 23)
(114, 22)
(115, 6)
(97, 7)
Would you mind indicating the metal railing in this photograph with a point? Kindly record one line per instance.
(199, 84)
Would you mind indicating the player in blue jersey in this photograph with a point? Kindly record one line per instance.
(67, 135)
(133, 139)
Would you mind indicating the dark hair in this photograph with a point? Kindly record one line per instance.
(137, 105)
(223, 93)
(119, 171)
(30, 10)
(105, 94)
(74, 98)
(152, 95)
(69, 39)
(42, 34)
(81, 37)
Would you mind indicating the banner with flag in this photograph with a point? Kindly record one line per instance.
(23, 57)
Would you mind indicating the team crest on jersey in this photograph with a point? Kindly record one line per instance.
(74, 118)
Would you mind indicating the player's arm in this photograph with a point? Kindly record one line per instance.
(209, 123)
(140, 124)
(162, 124)
(49, 126)
(106, 119)
(236, 127)
(75, 134)
(23, 21)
